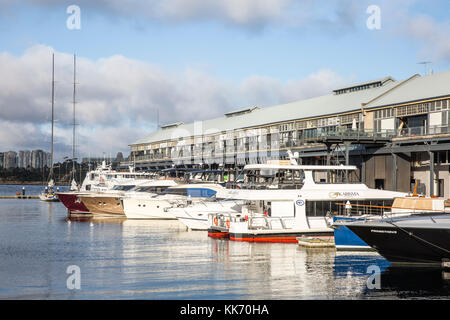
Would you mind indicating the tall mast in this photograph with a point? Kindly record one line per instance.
(73, 134)
(53, 104)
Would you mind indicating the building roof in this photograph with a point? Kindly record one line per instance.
(390, 92)
(417, 88)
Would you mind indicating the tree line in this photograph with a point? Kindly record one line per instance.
(62, 174)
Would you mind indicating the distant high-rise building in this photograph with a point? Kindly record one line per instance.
(27, 159)
(24, 159)
(10, 159)
(37, 158)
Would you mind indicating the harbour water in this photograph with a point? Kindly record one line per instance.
(40, 247)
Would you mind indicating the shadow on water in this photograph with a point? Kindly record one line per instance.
(392, 281)
(416, 282)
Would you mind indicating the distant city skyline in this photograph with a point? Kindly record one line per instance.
(25, 159)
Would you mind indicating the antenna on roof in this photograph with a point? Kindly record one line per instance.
(425, 63)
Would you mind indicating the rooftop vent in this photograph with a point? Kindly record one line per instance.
(240, 112)
(171, 125)
(364, 85)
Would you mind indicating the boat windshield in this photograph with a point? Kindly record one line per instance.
(190, 192)
(150, 189)
(123, 187)
(275, 178)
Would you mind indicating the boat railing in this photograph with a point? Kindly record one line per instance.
(270, 223)
(354, 209)
(255, 221)
(373, 213)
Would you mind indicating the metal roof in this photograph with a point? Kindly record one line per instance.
(417, 88)
(391, 92)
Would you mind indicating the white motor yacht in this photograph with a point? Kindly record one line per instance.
(282, 215)
(157, 206)
(110, 202)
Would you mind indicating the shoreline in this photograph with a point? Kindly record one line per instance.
(28, 183)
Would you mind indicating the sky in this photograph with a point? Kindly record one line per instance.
(144, 63)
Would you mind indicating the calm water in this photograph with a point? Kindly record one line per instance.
(125, 259)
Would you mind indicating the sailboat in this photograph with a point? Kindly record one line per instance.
(49, 193)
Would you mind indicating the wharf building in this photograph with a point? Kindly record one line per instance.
(396, 132)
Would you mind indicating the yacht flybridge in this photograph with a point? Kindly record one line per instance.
(282, 215)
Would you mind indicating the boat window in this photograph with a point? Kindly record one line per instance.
(123, 187)
(347, 207)
(150, 189)
(176, 191)
(200, 192)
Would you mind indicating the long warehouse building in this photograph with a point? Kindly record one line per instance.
(396, 132)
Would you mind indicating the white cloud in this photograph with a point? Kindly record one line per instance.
(433, 36)
(265, 91)
(118, 99)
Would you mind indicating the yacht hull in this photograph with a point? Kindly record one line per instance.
(103, 205)
(147, 209)
(345, 239)
(218, 233)
(73, 203)
(284, 236)
(406, 245)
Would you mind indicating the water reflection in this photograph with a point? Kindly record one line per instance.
(145, 259)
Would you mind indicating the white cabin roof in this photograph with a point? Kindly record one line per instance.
(297, 167)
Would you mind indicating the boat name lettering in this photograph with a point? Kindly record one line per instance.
(383, 231)
(343, 194)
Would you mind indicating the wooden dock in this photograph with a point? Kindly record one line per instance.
(31, 196)
(316, 242)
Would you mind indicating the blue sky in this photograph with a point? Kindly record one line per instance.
(193, 59)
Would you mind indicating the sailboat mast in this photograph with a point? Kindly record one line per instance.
(73, 133)
(53, 105)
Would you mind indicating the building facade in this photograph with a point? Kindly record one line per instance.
(10, 159)
(396, 132)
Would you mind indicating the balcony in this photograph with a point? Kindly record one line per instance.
(309, 139)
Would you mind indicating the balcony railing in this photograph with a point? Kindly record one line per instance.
(311, 139)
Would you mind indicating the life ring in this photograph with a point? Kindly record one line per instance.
(215, 221)
(246, 218)
(228, 223)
